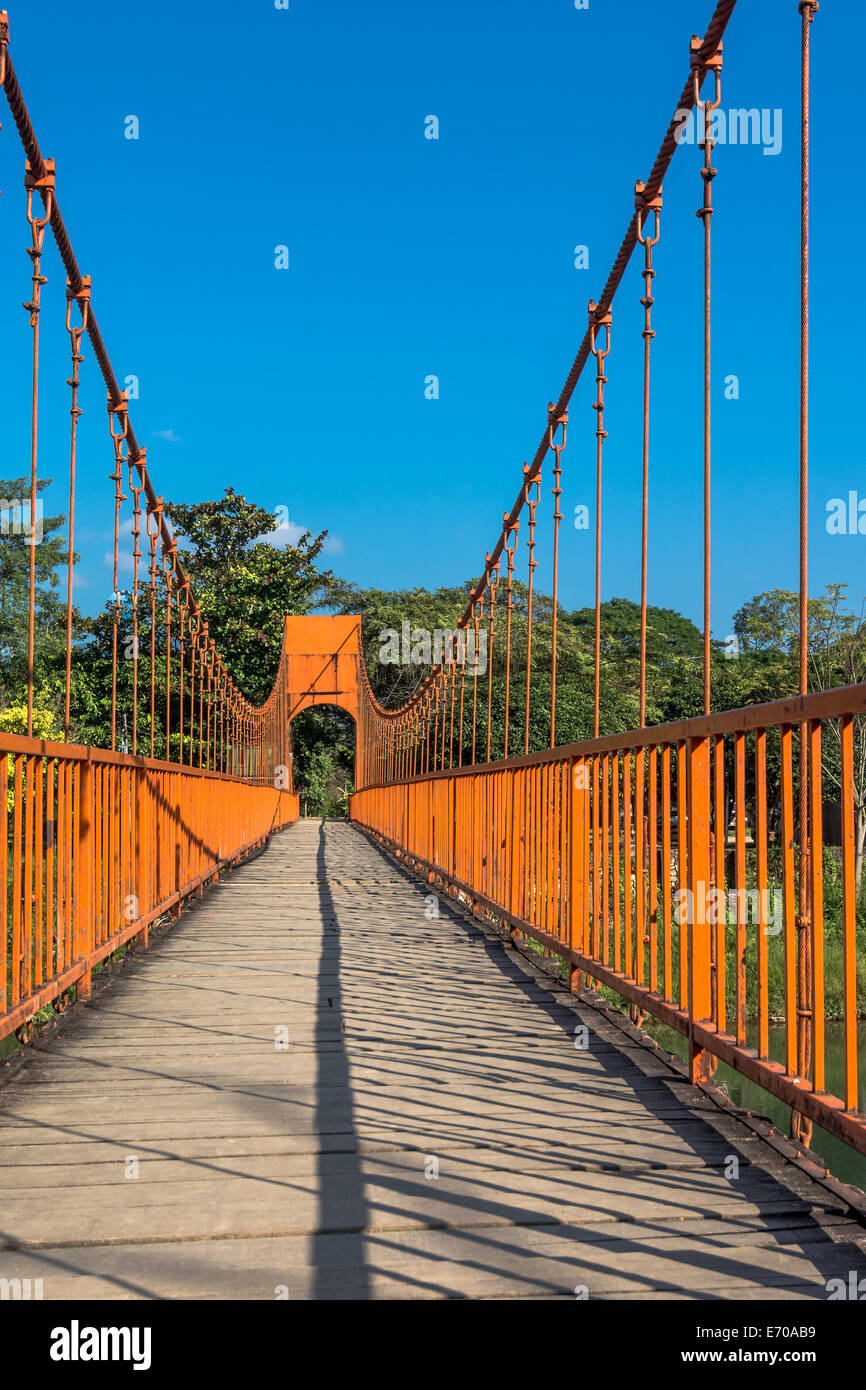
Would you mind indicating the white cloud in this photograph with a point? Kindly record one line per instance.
(286, 534)
(289, 533)
(168, 435)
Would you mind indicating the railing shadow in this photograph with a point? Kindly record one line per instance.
(669, 1102)
(335, 1110)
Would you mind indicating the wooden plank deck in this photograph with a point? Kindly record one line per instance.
(307, 1171)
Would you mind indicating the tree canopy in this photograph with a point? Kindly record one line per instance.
(247, 575)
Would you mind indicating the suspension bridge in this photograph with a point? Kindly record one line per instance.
(264, 1056)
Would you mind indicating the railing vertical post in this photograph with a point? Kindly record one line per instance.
(698, 832)
(578, 899)
(146, 893)
(83, 909)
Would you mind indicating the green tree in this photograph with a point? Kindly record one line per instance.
(769, 627)
(245, 584)
(323, 751)
(382, 612)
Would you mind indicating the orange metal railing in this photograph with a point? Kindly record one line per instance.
(96, 846)
(667, 865)
(686, 866)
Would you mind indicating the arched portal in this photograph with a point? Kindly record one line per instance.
(324, 743)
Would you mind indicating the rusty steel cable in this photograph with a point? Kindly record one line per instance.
(202, 662)
(532, 500)
(118, 439)
(447, 701)
(555, 422)
(801, 1125)
(510, 551)
(456, 658)
(183, 589)
(136, 490)
(202, 687)
(155, 514)
(477, 616)
(168, 565)
(208, 703)
(194, 616)
(45, 184)
(598, 320)
(492, 586)
(462, 697)
(76, 332)
(643, 207)
(702, 66)
(443, 686)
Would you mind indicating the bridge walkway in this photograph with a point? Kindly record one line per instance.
(308, 1088)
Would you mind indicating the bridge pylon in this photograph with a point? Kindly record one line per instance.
(322, 656)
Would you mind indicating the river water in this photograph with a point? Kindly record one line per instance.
(844, 1163)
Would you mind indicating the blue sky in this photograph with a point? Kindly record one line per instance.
(409, 257)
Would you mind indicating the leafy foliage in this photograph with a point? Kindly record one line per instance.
(245, 584)
(13, 720)
(323, 746)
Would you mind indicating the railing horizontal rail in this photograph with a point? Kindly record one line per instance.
(795, 710)
(670, 865)
(97, 846)
(83, 752)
